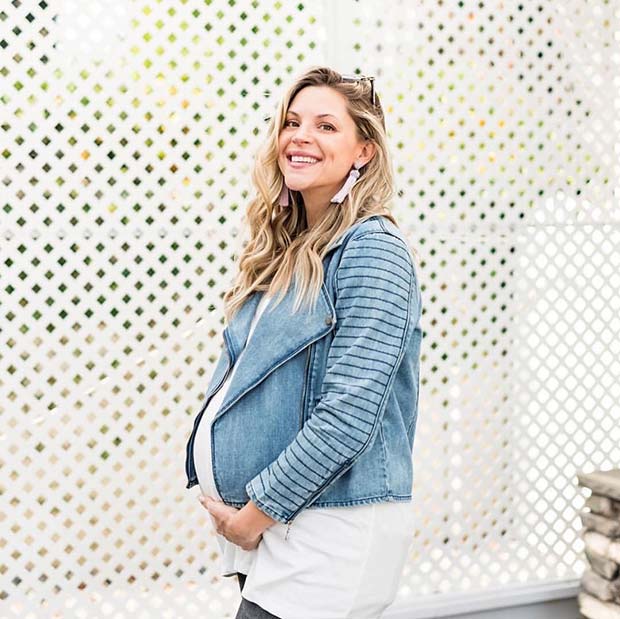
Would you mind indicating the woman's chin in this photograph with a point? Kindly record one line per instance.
(299, 182)
(296, 186)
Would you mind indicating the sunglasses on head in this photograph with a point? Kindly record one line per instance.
(359, 78)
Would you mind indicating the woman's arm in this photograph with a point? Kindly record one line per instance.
(376, 300)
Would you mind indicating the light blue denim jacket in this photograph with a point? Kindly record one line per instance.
(322, 408)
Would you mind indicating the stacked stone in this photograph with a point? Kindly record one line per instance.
(599, 597)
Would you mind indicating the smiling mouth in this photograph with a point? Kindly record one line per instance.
(295, 161)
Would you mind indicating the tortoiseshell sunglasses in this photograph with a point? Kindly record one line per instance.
(359, 78)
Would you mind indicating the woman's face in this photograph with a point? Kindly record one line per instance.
(318, 144)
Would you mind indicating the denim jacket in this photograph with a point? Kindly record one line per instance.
(322, 408)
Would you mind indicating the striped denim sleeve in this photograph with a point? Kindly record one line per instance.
(375, 283)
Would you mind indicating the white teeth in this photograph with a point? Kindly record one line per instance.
(298, 159)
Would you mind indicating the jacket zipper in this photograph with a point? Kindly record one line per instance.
(319, 490)
(303, 395)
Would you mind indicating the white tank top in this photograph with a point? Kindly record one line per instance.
(335, 562)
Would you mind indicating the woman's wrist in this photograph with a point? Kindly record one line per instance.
(254, 519)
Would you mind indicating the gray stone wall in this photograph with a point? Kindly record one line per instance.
(599, 597)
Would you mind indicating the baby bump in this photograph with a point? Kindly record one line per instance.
(253, 432)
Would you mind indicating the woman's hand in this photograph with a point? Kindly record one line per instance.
(243, 527)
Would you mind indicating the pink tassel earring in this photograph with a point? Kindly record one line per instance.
(284, 195)
(354, 174)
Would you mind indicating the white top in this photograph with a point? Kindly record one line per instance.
(337, 563)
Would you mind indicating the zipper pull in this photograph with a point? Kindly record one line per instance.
(288, 527)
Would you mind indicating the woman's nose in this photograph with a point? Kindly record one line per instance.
(300, 135)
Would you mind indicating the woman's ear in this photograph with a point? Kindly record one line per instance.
(366, 152)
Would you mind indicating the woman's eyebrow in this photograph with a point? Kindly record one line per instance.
(317, 116)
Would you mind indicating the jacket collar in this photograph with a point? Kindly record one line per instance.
(239, 327)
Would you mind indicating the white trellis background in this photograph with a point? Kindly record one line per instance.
(128, 130)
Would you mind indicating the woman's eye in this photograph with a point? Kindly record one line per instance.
(294, 123)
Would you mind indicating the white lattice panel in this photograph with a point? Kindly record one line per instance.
(128, 131)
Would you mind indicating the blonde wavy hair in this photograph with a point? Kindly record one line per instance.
(281, 248)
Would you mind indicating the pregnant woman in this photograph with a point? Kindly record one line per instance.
(303, 446)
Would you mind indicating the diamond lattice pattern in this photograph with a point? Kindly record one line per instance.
(128, 130)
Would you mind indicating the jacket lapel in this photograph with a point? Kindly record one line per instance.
(278, 335)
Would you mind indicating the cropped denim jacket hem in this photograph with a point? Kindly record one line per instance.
(390, 498)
